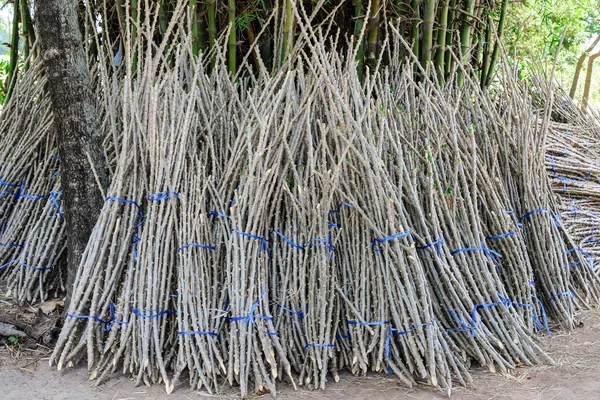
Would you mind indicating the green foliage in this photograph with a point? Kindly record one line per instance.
(14, 340)
(535, 27)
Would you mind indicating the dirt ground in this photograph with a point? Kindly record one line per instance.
(24, 374)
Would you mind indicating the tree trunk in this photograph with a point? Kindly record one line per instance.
(580, 65)
(588, 78)
(75, 122)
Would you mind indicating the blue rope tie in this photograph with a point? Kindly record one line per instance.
(54, 175)
(579, 250)
(502, 235)
(264, 242)
(437, 245)
(323, 243)
(298, 313)
(538, 211)
(3, 182)
(108, 323)
(398, 332)
(288, 240)
(21, 263)
(11, 245)
(377, 241)
(53, 197)
(331, 226)
(563, 294)
(249, 318)
(318, 345)
(509, 212)
(339, 336)
(140, 313)
(126, 201)
(353, 322)
(493, 255)
(342, 203)
(135, 240)
(202, 246)
(198, 333)
(217, 214)
(566, 180)
(471, 328)
(163, 196)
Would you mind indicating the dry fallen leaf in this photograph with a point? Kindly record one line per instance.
(49, 306)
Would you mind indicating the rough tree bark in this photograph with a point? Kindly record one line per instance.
(580, 65)
(75, 121)
(588, 78)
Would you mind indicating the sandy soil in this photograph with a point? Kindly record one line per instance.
(24, 374)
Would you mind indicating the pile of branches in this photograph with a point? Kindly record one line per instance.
(288, 226)
(573, 150)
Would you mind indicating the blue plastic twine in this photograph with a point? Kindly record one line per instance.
(25, 265)
(493, 255)
(298, 313)
(202, 246)
(288, 240)
(139, 313)
(264, 242)
(398, 332)
(163, 196)
(108, 323)
(437, 245)
(500, 236)
(217, 214)
(377, 241)
(579, 250)
(53, 197)
(126, 201)
(323, 243)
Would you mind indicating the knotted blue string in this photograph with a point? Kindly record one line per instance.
(342, 203)
(249, 318)
(563, 294)
(140, 313)
(323, 243)
(3, 182)
(387, 238)
(318, 345)
(339, 336)
(540, 210)
(502, 235)
(53, 197)
(354, 322)
(163, 196)
(264, 242)
(126, 201)
(566, 180)
(54, 175)
(288, 240)
(331, 226)
(298, 313)
(543, 315)
(579, 250)
(398, 332)
(11, 245)
(217, 214)
(474, 324)
(202, 246)
(493, 255)
(108, 323)
(135, 240)
(198, 333)
(20, 194)
(437, 245)
(25, 265)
